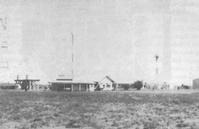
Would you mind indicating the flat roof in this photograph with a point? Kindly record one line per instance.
(61, 79)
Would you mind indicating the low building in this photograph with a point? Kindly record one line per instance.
(123, 86)
(71, 86)
(8, 86)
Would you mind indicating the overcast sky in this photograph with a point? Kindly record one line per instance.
(118, 38)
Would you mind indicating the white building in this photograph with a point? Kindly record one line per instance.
(106, 84)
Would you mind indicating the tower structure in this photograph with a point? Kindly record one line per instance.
(3, 43)
(63, 76)
(156, 67)
(72, 56)
(157, 80)
(4, 64)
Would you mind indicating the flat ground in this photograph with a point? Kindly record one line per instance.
(99, 110)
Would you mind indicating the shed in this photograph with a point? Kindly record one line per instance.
(124, 86)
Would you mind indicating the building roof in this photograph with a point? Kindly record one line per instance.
(124, 83)
(110, 79)
(27, 80)
(62, 79)
(70, 82)
(195, 79)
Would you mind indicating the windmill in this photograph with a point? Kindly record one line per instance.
(4, 64)
(156, 61)
(156, 69)
(3, 44)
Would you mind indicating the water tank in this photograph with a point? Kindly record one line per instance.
(196, 83)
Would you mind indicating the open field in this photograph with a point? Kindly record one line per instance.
(99, 110)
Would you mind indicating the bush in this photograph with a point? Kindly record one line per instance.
(126, 87)
(184, 87)
(138, 85)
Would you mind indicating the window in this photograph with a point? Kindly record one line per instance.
(108, 86)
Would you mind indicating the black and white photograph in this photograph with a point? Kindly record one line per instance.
(99, 64)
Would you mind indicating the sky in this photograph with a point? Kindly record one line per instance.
(111, 37)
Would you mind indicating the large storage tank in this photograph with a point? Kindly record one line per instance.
(196, 83)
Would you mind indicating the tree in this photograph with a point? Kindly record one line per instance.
(126, 86)
(138, 85)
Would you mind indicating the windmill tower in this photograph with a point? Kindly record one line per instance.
(4, 64)
(157, 72)
(156, 62)
(72, 57)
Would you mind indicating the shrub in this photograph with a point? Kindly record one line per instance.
(138, 85)
(185, 87)
(126, 87)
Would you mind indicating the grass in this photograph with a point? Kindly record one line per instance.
(97, 110)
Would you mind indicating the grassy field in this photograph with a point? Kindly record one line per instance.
(99, 110)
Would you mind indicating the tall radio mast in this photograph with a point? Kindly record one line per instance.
(72, 56)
